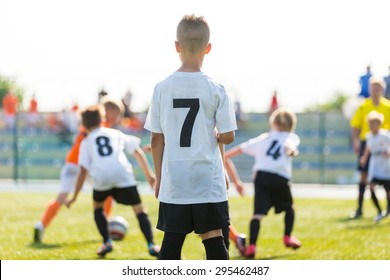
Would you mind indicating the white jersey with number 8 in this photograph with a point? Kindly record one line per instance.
(102, 154)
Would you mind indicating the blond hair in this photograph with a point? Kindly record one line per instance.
(193, 33)
(113, 105)
(375, 116)
(284, 119)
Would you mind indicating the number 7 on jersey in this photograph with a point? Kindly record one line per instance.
(188, 124)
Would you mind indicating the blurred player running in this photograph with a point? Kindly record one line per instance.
(103, 158)
(70, 170)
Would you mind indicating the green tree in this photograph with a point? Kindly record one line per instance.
(334, 104)
(9, 85)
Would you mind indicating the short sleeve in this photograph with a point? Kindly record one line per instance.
(250, 147)
(152, 122)
(131, 142)
(225, 115)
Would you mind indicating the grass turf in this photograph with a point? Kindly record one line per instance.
(321, 225)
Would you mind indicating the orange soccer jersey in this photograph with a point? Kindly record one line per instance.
(73, 154)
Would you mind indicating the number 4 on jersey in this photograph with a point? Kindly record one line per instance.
(274, 150)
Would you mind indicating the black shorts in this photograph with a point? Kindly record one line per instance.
(362, 168)
(271, 190)
(127, 196)
(185, 218)
(381, 182)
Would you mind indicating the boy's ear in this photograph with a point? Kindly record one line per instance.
(177, 46)
(208, 48)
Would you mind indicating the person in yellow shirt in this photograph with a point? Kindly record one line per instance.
(360, 127)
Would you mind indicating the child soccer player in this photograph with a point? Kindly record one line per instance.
(102, 156)
(189, 116)
(359, 126)
(273, 152)
(70, 171)
(378, 145)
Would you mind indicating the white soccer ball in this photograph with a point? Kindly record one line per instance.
(117, 227)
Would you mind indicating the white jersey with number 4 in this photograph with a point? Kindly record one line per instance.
(187, 108)
(102, 154)
(269, 151)
(379, 164)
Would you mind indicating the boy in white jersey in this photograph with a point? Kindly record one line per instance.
(273, 152)
(189, 116)
(378, 148)
(70, 171)
(102, 156)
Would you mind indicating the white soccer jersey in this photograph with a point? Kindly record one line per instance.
(102, 154)
(269, 151)
(379, 165)
(186, 108)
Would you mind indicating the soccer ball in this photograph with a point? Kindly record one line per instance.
(117, 227)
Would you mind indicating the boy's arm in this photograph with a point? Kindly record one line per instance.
(234, 177)
(157, 142)
(79, 184)
(236, 151)
(231, 169)
(222, 150)
(225, 138)
(145, 166)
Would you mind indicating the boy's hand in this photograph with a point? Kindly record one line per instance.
(147, 148)
(151, 180)
(68, 203)
(240, 187)
(291, 152)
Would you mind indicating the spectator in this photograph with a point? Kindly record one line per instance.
(126, 100)
(32, 117)
(274, 103)
(10, 105)
(101, 94)
(364, 83)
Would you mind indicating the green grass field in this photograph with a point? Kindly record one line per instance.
(321, 225)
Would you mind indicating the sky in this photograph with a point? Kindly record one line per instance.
(67, 51)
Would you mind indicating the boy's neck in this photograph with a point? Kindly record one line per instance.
(191, 63)
(89, 130)
(188, 68)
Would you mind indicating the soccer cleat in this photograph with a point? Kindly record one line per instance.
(378, 218)
(356, 215)
(291, 242)
(38, 232)
(241, 244)
(153, 249)
(250, 251)
(105, 248)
